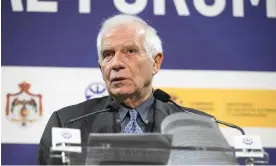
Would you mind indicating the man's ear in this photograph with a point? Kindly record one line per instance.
(158, 59)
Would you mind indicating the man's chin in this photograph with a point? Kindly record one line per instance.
(121, 92)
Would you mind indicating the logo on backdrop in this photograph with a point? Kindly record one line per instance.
(95, 90)
(24, 107)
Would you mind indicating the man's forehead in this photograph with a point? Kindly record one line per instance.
(123, 36)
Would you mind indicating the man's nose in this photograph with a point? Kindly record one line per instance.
(117, 63)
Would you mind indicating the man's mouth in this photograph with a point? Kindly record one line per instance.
(117, 79)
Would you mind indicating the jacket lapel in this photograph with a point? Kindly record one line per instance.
(161, 111)
(99, 123)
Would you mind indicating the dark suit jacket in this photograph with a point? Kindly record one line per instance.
(98, 123)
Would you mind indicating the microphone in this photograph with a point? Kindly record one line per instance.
(165, 97)
(111, 107)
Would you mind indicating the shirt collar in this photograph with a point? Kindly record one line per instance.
(142, 109)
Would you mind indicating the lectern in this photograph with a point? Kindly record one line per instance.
(185, 139)
(140, 149)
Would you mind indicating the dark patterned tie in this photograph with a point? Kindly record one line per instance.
(132, 126)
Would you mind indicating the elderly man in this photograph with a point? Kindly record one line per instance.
(130, 54)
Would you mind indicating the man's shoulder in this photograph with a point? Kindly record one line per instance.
(82, 108)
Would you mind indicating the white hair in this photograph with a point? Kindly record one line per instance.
(152, 42)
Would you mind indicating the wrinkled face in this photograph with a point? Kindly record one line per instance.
(126, 68)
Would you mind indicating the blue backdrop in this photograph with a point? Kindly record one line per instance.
(67, 38)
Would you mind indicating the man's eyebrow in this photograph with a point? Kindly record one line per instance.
(106, 47)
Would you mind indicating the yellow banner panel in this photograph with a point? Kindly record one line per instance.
(247, 108)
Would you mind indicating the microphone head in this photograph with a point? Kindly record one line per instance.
(161, 95)
(113, 105)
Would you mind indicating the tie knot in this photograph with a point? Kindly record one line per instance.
(133, 114)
